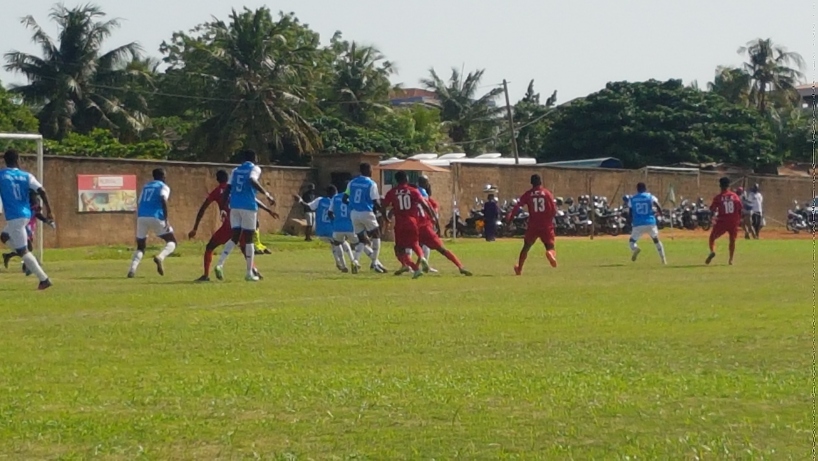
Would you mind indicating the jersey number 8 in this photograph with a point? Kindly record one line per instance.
(358, 194)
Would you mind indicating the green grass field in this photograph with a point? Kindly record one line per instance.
(599, 359)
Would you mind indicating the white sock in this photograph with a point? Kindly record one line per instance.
(32, 265)
(338, 254)
(633, 245)
(226, 252)
(661, 249)
(251, 254)
(346, 248)
(376, 249)
(137, 258)
(166, 251)
(427, 252)
(359, 248)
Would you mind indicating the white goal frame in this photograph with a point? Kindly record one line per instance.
(38, 138)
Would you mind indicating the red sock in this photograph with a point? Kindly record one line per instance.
(712, 244)
(451, 257)
(732, 248)
(208, 260)
(521, 261)
(418, 251)
(407, 261)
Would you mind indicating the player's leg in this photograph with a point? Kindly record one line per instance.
(142, 227)
(374, 233)
(528, 242)
(636, 233)
(549, 238)
(653, 231)
(248, 226)
(235, 240)
(715, 233)
(164, 232)
(14, 235)
(733, 234)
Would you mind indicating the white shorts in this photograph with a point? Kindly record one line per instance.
(16, 230)
(363, 221)
(243, 219)
(310, 217)
(154, 226)
(350, 237)
(639, 231)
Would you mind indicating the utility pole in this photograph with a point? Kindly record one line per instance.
(511, 125)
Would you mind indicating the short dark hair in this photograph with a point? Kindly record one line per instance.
(331, 190)
(724, 182)
(641, 187)
(12, 157)
(158, 174)
(249, 155)
(365, 168)
(401, 177)
(221, 176)
(536, 180)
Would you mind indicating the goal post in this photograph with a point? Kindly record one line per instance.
(37, 138)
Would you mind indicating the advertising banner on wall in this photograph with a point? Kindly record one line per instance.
(106, 193)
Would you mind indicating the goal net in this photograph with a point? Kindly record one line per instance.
(33, 140)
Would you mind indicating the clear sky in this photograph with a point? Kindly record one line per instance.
(573, 46)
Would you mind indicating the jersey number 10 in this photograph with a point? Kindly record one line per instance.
(404, 202)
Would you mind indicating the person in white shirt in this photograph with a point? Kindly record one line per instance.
(746, 213)
(757, 201)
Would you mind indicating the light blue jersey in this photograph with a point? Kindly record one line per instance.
(14, 187)
(342, 221)
(323, 224)
(423, 192)
(642, 210)
(150, 202)
(242, 192)
(363, 192)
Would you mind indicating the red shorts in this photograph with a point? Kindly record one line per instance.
(546, 235)
(406, 234)
(223, 235)
(428, 237)
(720, 229)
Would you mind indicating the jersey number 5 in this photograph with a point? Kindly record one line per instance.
(539, 204)
(239, 182)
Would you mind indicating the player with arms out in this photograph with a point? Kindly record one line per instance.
(642, 206)
(240, 194)
(541, 210)
(727, 208)
(225, 232)
(428, 238)
(364, 200)
(152, 216)
(14, 187)
(406, 202)
(323, 223)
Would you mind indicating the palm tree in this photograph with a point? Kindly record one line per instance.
(73, 84)
(259, 72)
(461, 112)
(360, 80)
(733, 84)
(771, 69)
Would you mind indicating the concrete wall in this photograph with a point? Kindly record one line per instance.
(189, 183)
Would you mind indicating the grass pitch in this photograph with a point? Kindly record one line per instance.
(599, 359)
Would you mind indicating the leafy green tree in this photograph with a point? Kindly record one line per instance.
(732, 84)
(73, 83)
(101, 143)
(465, 115)
(532, 122)
(772, 69)
(659, 123)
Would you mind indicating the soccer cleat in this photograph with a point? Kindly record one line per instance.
(131, 275)
(432, 270)
(466, 272)
(251, 278)
(355, 267)
(551, 256)
(424, 265)
(635, 254)
(257, 273)
(219, 271)
(267, 251)
(6, 258)
(44, 285)
(159, 267)
(417, 274)
(203, 278)
(377, 267)
(402, 270)
(518, 270)
(710, 258)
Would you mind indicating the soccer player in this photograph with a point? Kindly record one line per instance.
(152, 216)
(426, 191)
(727, 208)
(14, 187)
(309, 214)
(31, 229)
(225, 232)
(364, 200)
(642, 206)
(344, 232)
(429, 240)
(406, 202)
(241, 196)
(541, 210)
(322, 207)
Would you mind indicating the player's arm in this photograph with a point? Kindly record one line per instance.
(35, 185)
(165, 195)
(254, 177)
(264, 207)
(375, 196)
(657, 206)
(427, 208)
(199, 216)
(346, 195)
(516, 208)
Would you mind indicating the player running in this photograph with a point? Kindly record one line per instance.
(426, 191)
(14, 187)
(541, 210)
(241, 197)
(364, 200)
(642, 206)
(406, 202)
(727, 208)
(429, 240)
(344, 232)
(152, 216)
(225, 232)
(323, 226)
(31, 229)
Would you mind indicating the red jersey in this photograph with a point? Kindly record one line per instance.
(405, 202)
(541, 208)
(217, 195)
(727, 207)
(424, 220)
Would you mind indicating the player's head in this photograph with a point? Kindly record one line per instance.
(249, 155)
(739, 190)
(310, 186)
(641, 187)
(332, 191)
(401, 177)
(365, 169)
(423, 181)
(724, 183)
(536, 180)
(12, 158)
(754, 189)
(159, 175)
(221, 177)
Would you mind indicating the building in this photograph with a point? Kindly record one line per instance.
(412, 96)
(808, 94)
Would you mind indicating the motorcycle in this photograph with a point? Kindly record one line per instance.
(796, 219)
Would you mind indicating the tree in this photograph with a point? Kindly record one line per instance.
(73, 84)
(770, 70)
(254, 82)
(532, 121)
(659, 123)
(732, 84)
(15, 118)
(464, 114)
